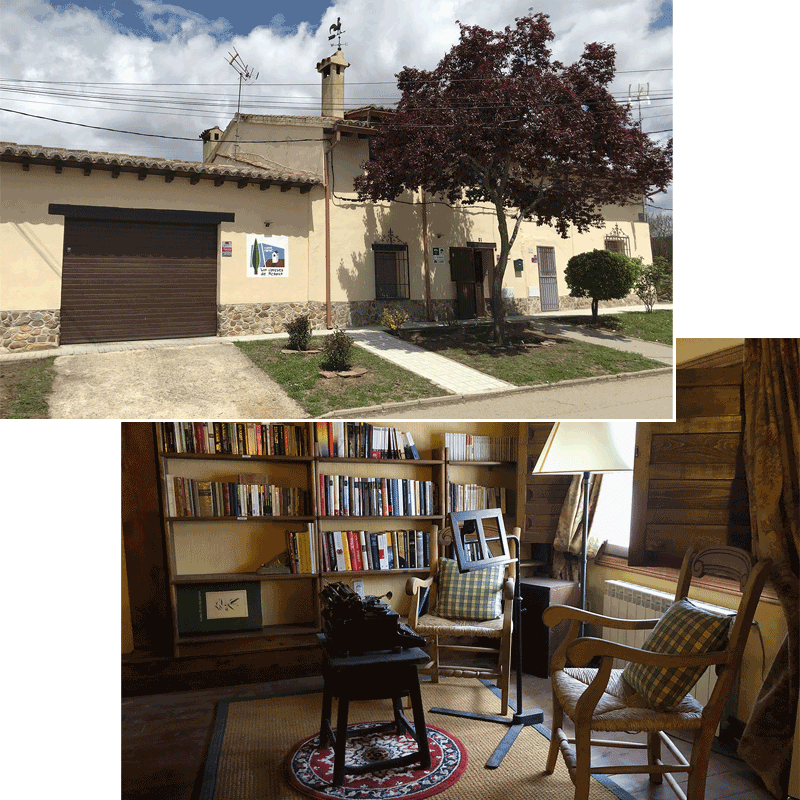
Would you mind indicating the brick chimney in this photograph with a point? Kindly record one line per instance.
(332, 71)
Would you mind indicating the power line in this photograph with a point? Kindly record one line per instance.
(349, 83)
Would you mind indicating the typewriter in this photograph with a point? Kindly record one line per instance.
(354, 625)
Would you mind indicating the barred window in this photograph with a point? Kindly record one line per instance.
(618, 242)
(391, 269)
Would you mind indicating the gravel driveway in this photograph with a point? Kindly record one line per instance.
(209, 381)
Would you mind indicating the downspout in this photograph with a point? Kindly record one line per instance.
(425, 257)
(328, 320)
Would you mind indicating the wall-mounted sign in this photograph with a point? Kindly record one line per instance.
(438, 255)
(267, 256)
(227, 249)
(518, 264)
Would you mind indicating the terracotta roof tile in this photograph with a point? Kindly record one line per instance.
(10, 151)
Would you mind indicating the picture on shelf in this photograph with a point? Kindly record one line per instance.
(214, 608)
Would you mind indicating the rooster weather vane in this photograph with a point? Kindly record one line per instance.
(336, 30)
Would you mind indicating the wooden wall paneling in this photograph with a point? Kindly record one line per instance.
(689, 481)
(144, 543)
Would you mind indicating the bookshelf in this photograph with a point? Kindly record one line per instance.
(230, 494)
(376, 504)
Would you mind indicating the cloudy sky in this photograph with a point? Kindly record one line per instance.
(159, 68)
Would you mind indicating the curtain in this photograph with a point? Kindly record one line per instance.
(569, 533)
(771, 445)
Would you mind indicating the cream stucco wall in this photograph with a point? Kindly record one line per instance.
(32, 240)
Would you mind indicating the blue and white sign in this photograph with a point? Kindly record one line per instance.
(267, 256)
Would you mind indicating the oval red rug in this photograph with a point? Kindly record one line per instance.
(310, 768)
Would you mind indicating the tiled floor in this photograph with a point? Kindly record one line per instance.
(164, 741)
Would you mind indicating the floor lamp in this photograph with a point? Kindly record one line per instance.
(583, 448)
(468, 530)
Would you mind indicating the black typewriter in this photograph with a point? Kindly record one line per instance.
(354, 624)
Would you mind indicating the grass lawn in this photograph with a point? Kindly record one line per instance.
(653, 327)
(298, 375)
(24, 386)
(560, 362)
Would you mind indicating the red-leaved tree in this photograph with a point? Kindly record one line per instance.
(500, 122)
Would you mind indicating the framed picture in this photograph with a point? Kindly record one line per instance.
(215, 607)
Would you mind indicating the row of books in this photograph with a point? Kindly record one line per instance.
(471, 497)
(349, 496)
(302, 553)
(188, 497)
(235, 438)
(363, 550)
(362, 440)
(466, 447)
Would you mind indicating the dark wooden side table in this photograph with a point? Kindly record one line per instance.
(372, 676)
(538, 641)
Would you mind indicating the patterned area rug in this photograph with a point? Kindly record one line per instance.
(310, 767)
(253, 738)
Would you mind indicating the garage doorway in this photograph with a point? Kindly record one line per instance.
(127, 280)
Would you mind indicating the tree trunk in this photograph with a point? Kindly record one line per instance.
(595, 304)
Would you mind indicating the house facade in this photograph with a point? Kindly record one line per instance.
(109, 247)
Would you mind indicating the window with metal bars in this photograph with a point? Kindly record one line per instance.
(618, 242)
(391, 270)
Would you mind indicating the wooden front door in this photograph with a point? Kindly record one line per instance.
(548, 282)
(462, 271)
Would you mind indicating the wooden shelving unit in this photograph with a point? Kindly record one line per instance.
(220, 550)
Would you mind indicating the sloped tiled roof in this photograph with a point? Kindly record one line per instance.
(55, 156)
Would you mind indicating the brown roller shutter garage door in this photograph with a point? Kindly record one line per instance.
(126, 280)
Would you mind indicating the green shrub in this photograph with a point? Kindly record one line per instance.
(601, 275)
(299, 330)
(393, 318)
(664, 281)
(336, 351)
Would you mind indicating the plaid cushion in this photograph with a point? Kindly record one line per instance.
(470, 595)
(684, 629)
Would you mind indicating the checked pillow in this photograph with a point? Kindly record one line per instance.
(470, 595)
(685, 629)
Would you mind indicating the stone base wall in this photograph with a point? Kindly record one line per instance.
(29, 330)
(245, 319)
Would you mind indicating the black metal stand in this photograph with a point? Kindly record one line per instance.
(521, 718)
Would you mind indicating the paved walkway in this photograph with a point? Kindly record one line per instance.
(450, 375)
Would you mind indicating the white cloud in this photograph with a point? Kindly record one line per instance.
(46, 43)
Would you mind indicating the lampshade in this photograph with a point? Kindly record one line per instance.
(577, 447)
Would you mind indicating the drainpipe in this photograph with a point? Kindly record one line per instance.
(426, 261)
(328, 320)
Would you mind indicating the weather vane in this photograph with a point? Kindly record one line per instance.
(336, 30)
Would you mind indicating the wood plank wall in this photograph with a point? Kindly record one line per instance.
(544, 494)
(689, 481)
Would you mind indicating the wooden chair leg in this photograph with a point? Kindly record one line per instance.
(504, 684)
(701, 752)
(558, 721)
(435, 659)
(583, 760)
(654, 753)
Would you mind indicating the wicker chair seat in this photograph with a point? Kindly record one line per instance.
(620, 708)
(431, 625)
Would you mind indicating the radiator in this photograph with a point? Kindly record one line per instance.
(629, 601)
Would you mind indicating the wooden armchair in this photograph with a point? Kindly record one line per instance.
(446, 635)
(602, 699)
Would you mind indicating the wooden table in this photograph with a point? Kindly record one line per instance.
(372, 676)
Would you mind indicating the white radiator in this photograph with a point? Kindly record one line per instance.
(629, 601)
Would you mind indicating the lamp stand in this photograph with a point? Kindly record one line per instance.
(584, 541)
(521, 718)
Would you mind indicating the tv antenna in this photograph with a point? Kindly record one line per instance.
(336, 30)
(642, 93)
(245, 74)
